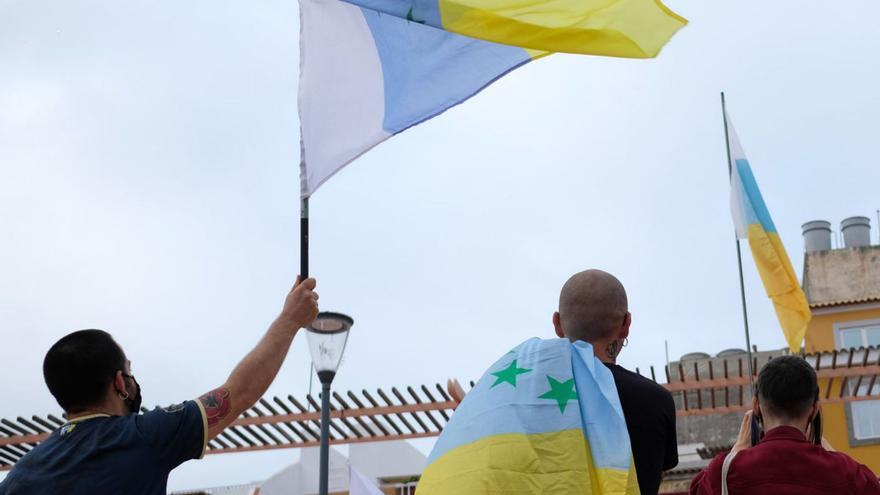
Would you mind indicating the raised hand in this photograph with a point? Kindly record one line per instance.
(301, 306)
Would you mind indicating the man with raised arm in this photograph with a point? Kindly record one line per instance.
(107, 446)
(593, 308)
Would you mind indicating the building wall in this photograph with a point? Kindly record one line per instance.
(820, 333)
(820, 337)
(834, 424)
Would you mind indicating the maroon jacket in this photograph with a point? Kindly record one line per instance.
(786, 463)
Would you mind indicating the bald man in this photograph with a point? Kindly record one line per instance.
(593, 307)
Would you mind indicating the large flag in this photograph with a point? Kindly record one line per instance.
(370, 69)
(752, 221)
(545, 418)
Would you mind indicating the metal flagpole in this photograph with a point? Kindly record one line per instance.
(323, 474)
(325, 376)
(666, 345)
(304, 238)
(742, 287)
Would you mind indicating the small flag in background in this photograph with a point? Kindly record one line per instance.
(752, 221)
(359, 484)
(545, 418)
(370, 69)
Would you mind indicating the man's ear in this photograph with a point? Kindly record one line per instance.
(624, 329)
(119, 384)
(756, 407)
(557, 325)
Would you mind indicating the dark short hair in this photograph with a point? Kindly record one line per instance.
(787, 387)
(78, 368)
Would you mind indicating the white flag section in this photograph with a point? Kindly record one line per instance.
(740, 205)
(366, 76)
(359, 484)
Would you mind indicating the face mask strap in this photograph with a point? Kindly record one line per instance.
(132, 402)
(124, 393)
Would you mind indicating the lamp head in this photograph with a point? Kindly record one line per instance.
(327, 336)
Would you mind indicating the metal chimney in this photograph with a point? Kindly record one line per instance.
(856, 232)
(817, 236)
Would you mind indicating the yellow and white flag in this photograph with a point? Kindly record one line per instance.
(752, 221)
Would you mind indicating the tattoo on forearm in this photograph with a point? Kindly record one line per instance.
(216, 403)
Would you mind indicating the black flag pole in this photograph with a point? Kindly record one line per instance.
(742, 287)
(304, 238)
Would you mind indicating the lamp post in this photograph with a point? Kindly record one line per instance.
(327, 336)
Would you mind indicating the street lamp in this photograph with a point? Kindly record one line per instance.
(327, 336)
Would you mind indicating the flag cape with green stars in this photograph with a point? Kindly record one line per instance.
(544, 419)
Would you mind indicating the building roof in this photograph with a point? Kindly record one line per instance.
(842, 276)
(375, 460)
(245, 489)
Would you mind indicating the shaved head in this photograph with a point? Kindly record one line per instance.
(592, 305)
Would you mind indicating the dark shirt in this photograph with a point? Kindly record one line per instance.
(111, 454)
(785, 463)
(650, 419)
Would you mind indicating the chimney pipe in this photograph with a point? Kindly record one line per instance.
(856, 232)
(817, 236)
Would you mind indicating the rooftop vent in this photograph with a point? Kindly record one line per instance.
(817, 236)
(691, 356)
(731, 352)
(856, 232)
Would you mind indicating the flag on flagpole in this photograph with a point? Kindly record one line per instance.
(545, 418)
(370, 69)
(752, 221)
(359, 484)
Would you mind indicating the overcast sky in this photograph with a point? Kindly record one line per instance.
(149, 186)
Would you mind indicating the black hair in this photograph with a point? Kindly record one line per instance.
(78, 368)
(787, 387)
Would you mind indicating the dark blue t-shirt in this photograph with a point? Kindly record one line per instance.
(111, 454)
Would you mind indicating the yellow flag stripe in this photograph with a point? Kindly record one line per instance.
(617, 28)
(521, 464)
(781, 284)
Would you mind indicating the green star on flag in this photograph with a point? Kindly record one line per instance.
(561, 392)
(508, 374)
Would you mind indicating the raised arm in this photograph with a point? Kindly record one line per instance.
(253, 375)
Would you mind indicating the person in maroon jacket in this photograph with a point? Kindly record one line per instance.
(784, 461)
